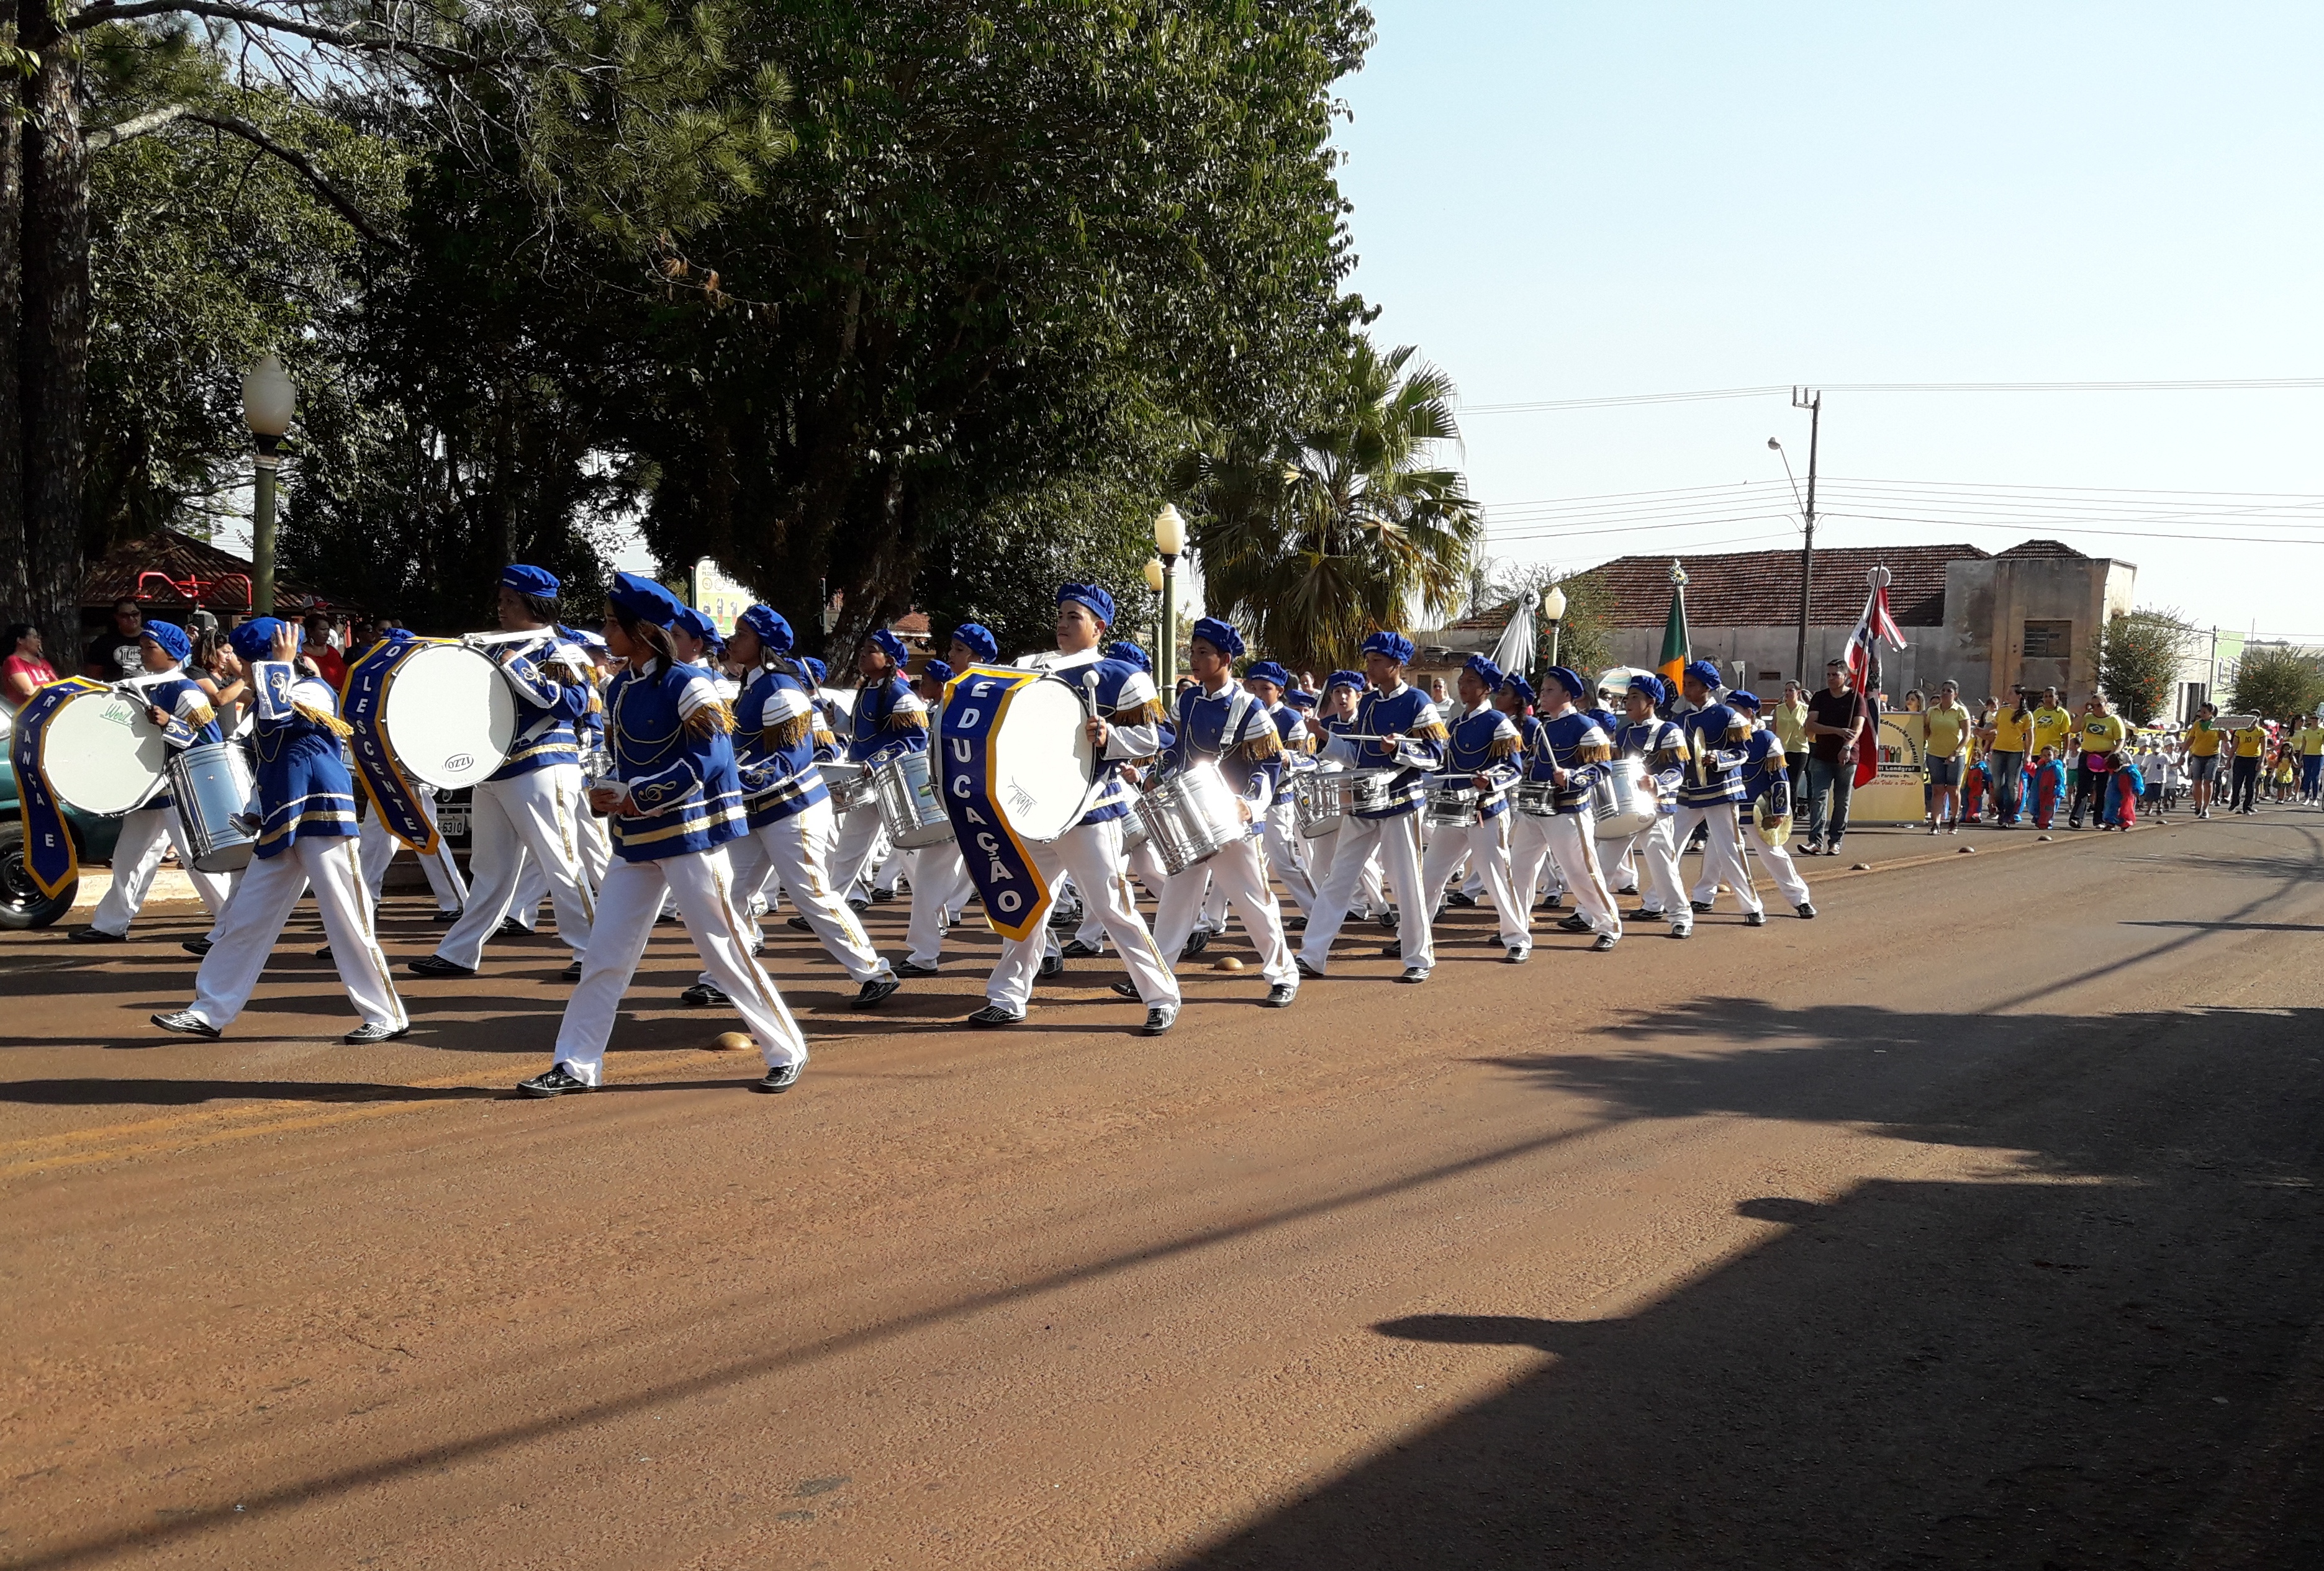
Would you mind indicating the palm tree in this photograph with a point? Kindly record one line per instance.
(1313, 541)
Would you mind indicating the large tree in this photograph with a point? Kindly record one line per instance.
(2138, 655)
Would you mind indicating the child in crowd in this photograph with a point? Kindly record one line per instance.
(2129, 784)
(1973, 789)
(2049, 787)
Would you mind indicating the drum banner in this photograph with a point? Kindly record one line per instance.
(49, 856)
(1016, 896)
(395, 796)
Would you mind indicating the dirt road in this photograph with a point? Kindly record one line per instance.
(1976, 1223)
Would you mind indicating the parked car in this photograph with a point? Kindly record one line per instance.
(22, 904)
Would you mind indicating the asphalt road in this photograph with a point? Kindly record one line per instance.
(1976, 1223)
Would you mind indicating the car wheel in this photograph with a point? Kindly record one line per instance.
(22, 904)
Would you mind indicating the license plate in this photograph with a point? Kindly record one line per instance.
(453, 821)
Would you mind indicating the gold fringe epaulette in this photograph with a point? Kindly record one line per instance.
(1264, 744)
(1502, 748)
(322, 717)
(1432, 730)
(915, 721)
(1739, 729)
(711, 718)
(785, 734)
(1593, 753)
(202, 715)
(1149, 712)
(566, 675)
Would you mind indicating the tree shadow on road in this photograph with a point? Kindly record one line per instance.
(2104, 1354)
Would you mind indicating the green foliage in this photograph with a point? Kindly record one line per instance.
(2277, 681)
(1349, 525)
(1001, 564)
(2138, 656)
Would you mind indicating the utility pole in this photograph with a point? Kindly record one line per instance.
(1812, 400)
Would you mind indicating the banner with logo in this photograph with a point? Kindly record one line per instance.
(395, 796)
(49, 855)
(1015, 895)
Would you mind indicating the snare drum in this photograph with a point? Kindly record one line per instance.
(1624, 801)
(1450, 806)
(1319, 797)
(1536, 799)
(441, 714)
(850, 785)
(214, 787)
(1371, 790)
(906, 790)
(102, 754)
(1192, 817)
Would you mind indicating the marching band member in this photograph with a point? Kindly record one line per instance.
(1142, 860)
(786, 805)
(941, 887)
(1766, 774)
(888, 718)
(1414, 745)
(676, 800)
(1221, 723)
(176, 703)
(1480, 753)
(531, 804)
(1609, 712)
(1568, 749)
(1336, 713)
(307, 830)
(1645, 735)
(1091, 851)
(375, 848)
(1711, 790)
(1269, 682)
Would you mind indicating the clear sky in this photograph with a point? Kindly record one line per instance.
(1560, 200)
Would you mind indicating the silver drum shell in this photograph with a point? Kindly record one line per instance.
(904, 788)
(214, 787)
(1191, 817)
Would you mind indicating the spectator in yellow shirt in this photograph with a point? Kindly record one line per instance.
(2242, 786)
(1792, 731)
(2100, 736)
(1944, 753)
(2203, 739)
(2308, 742)
(2051, 724)
(2010, 739)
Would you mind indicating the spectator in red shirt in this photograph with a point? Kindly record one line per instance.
(26, 667)
(327, 663)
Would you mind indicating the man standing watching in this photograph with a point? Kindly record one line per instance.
(1835, 719)
(117, 655)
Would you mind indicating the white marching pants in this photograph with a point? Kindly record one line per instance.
(376, 848)
(860, 834)
(1659, 886)
(1722, 851)
(1397, 842)
(1774, 859)
(941, 889)
(794, 846)
(1238, 873)
(1486, 844)
(1092, 853)
(627, 906)
(536, 814)
(1146, 863)
(263, 899)
(146, 836)
(1286, 855)
(1321, 851)
(1568, 844)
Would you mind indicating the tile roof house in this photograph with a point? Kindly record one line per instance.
(168, 571)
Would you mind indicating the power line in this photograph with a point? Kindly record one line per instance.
(1702, 395)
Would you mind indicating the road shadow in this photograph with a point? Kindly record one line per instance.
(90, 1092)
(2106, 1354)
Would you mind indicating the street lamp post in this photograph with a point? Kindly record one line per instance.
(1812, 400)
(1553, 606)
(267, 400)
(1169, 539)
(1153, 572)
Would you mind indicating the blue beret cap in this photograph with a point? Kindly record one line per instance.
(936, 671)
(254, 638)
(885, 640)
(1704, 672)
(527, 580)
(1219, 635)
(1652, 686)
(1100, 604)
(691, 621)
(1130, 654)
(817, 669)
(1300, 698)
(978, 640)
(1269, 671)
(643, 600)
(1389, 642)
(1355, 679)
(1484, 670)
(1742, 699)
(170, 636)
(1567, 678)
(774, 631)
(1521, 687)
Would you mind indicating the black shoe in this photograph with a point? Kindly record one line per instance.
(1677, 931)
(798, 924)
(858, 904)
(1699, 905)
(1807, 912)
(908, 969)
(197, 946)
(1305, 969)
(1414, 974)
(1574, 923)
(1605, 941)
(1755, 919)
(571, 973)
(1075, 949)
(96, 935)
(1627, 889)
(186, 1023)
(555, 1083)
(1065, 918)
(1160, 1018)
(994, 1014)
(372, 1031)
(1388, 919)
(323, 954)
(782, 1078)
(1279, 996)
(1518, 953)
(1643, 914)
(872, 992)
(881, 897)
(1389, 952)
(1196, 942)
(511, 927)
(1051, 966)
(1553, 902)
(1459, 898)
(444, 918)
(437, 966)
(1125, 989)
(704, 995)
(1295, 924)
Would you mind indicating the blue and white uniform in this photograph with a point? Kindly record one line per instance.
(306, 810)
(1483, 744)
(1226, 727)
(1287, 852)
(1762, 772)
(1661, 746)
(1571, 741)
(1371, 892)
(888, 718)
(1711, 793)
(155, 830)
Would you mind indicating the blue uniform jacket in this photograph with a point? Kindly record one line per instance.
(1407, 714)
(888, 718)
(774, 746)
(549, 705)
(1235, 729)
(1715, 738)
(304, 790)
(1574, 742)
(668, 733)
(1483, 742)
(1663, 746)
(192, 722)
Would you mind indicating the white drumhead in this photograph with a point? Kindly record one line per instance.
(448, 715)
(101, 754)
(1042, 760)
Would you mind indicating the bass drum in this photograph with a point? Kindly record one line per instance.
(1624, 800)
(443, 714)
(1044, 769)
(102, 754)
